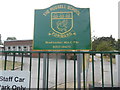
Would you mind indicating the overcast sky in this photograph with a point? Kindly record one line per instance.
(17, 16)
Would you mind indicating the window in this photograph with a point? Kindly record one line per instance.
(19, 47)
(25, 48)
(8, 47)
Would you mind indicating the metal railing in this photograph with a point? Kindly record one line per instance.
(54, 69)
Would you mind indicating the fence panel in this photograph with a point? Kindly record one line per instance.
(60, 69)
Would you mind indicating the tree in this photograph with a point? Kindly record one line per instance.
(104, 46)
(105, 43)
(118, 45)
(11, 38)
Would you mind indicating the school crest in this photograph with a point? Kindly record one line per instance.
(61, 24)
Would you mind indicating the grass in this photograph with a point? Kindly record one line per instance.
(9, 65)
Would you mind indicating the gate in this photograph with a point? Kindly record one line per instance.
(53, 69)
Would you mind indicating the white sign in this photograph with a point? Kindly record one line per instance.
(14, 80)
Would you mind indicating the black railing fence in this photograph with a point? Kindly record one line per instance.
(59, 69)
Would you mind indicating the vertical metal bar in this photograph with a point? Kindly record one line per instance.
(65, 71)
(74, 71)
(13, 61)
(102, 70)
(5, 63)
(84, 71)
(22, 62)
(30, 68)
(56, 70)
(93, 71)
(118, 67)
(79, 69)
(111, 67)
(47, 69)
(38, 82)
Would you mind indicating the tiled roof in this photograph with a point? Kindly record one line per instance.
(18, 42)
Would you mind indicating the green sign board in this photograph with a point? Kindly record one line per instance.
(62, 27)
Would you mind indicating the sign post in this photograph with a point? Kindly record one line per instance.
(44, 70)
(62, 27)
(79, 68)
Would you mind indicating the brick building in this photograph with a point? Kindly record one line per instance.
(18, 45)
(26, 45)
(1, 47)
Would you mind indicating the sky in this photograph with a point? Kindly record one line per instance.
(119, 20)
(17, 16)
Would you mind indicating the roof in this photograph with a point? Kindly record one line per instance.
(18, 42)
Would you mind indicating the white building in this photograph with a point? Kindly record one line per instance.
(1, 47)
(18, 45)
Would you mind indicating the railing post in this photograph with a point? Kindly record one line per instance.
(79, 69)
(44, 70)
(118, 68)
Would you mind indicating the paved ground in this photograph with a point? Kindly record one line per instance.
(107, 73)
(70, 70)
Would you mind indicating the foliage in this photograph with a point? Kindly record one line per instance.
(11, 38)
(104, 44)
(118, 45)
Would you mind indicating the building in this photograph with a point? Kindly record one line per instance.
(26, 45)
(1, 47)
(18, 45)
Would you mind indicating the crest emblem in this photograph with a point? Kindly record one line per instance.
(62, 22)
